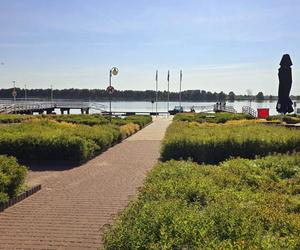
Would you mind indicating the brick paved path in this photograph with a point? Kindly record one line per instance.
(74, 204)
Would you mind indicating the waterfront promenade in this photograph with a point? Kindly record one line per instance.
(74, 204)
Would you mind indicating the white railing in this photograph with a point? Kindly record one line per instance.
(224, 108)
(10, 106)
(249, 111)
(201, 108)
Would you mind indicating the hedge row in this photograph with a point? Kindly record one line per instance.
(50, 140)
(7, 118)
(91, 120)
(213, 143)
(289, 119)
(129, 129)
(97, 119)
(241, 204)
(12, 177)
(221, 117)
(141, 120)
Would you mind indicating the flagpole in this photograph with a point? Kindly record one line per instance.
(168, 78)
(156, 97)
(180, 82)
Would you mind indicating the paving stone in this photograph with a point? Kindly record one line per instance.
(75, 204)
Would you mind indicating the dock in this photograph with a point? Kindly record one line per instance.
(48, 107)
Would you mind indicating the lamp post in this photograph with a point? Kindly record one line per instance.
(25, 93)
(168, 94)
(51, 93)
(156, 94)
(180, 83)
(14, 92)
(110, 89)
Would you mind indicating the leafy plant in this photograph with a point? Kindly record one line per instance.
(240, 204)
(12, 177)
(50, 140)
(221, 117)
(289, 119)
(9, 118)
(213, 143)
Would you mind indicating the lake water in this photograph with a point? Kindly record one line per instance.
(162, 106)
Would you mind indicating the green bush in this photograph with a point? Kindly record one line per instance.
(141, 120)
(221, 117)
(8, 118)
(289, 119)
(90, 120)
(240, 204)
(50, 140)
(97, 119)
(129, 129)
(213, 143)
(12, 177)
(65, 137)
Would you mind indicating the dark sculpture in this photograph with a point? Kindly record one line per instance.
(285, 104)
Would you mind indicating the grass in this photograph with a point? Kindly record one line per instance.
(240, 204)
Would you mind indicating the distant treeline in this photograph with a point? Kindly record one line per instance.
(134, 95)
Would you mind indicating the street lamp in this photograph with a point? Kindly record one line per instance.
(14, 92)
(25, 93)
(51, 93)
(110, 89)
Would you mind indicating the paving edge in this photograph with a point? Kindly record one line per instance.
(20, 197)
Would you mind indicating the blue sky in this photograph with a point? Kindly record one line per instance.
(220, 45)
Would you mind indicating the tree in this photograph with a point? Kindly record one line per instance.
(221, 96)
(260, 96)
(231, 96)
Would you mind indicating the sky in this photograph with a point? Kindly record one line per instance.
(232, 45)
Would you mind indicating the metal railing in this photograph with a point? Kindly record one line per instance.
(201, 108)
(224, 108)
(10, 106)
(249, 111)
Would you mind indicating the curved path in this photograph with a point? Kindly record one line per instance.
(74, 204)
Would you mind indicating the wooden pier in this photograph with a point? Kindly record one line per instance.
(127, 113)
(8, 106)
(33, 106)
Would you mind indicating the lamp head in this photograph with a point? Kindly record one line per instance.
(114, 71)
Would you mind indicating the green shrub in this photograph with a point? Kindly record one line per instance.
(50, 140)
(66, 137)
(90, 120)
(129, 129)
(289, 119)
(12, 177)
(97, 119)
(8, 118)
(213, 143)
(141, 120)
(221, 117)
(241, 204)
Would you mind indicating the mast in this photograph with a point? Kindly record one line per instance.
(180, 82)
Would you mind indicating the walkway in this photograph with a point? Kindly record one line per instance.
(74, 205)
